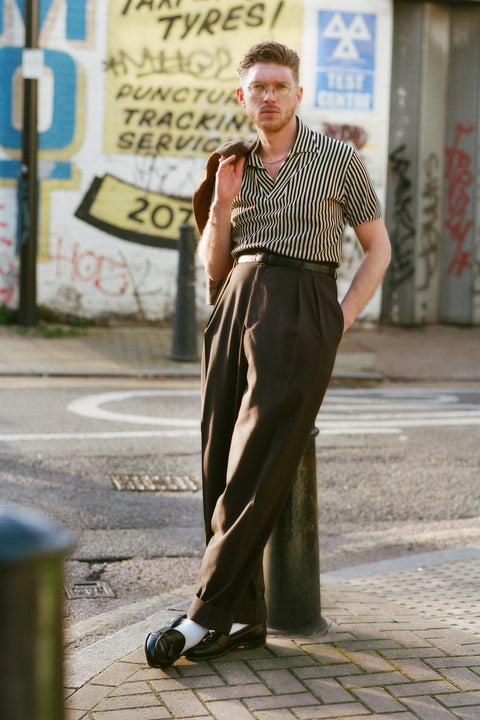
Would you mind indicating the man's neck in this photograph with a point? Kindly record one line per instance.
(278, 144)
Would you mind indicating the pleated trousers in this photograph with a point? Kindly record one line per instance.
(268, 354)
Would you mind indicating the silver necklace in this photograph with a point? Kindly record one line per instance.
(272, 162)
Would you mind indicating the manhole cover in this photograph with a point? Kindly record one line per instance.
(88, 589)
(156, 483)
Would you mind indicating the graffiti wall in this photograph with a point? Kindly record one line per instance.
(432, 207)
(133, 97)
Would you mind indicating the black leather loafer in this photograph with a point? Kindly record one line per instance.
(165, 646)
(215, 644)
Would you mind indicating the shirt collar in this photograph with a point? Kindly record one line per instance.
(306, 140)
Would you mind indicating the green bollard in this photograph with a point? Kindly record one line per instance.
(31, 616)
(291, 559)
(185, 327)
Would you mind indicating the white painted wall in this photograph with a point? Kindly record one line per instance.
(86, 265)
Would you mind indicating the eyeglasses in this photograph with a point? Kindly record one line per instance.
(260, 89)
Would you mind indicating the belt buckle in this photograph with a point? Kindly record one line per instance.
(261, 258)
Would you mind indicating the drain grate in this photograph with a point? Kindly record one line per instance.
(88, 589)
(156, 483)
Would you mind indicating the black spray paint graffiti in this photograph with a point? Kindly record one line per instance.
(402, 230)
(429, 238)
(214, 65)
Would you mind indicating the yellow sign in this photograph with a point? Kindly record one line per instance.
(171, 71)
(131, 213)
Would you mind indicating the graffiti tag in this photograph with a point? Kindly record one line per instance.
(353, 134)
(459, 178)
(8, 266)
(112, 276)
(207, 65)
(403, 228)
(106, 274)
(429, 236)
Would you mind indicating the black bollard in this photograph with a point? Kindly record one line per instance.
(31, 613)
(185, 327)
(291, 559)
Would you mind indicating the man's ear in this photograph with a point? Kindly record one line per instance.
(241, 96)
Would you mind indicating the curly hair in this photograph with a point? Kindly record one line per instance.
(270, 51)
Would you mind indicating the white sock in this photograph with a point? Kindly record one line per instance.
(192, 632)
(236, 627)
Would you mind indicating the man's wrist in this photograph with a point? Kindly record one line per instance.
(220, 225)
(220, 214)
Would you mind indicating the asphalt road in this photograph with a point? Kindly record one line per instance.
(397, 472)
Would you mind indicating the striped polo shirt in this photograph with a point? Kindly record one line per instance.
(302, 214)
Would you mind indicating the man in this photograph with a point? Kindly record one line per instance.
(274, 232)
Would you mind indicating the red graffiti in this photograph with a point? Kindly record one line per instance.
(4, 240)
(353, 134)
(8, 267)
(459, 177)
(8, 280)
(107, 275)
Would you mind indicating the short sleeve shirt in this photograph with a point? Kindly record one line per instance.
(322, 185)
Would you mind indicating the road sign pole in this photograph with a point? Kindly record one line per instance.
(28, 185)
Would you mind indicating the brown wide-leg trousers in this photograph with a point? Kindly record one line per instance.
(269, 350)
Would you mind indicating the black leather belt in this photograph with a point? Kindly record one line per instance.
(282, 261)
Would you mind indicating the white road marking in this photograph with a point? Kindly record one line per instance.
(344, 412)
(115, 435)
(90, 406)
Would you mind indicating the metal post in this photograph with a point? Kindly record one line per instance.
(28, 194)
(31, 612)
(185, 328)
(291, 560)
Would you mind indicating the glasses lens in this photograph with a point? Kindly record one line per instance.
(259, 89)
(282, 89)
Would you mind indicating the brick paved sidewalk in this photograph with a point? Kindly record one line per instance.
(381, 658)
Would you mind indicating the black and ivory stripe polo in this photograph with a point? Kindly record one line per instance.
(322, 185)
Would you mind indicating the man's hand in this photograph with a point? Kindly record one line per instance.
(215, 246)
(228, 179)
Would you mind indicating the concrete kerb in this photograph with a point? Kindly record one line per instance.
(85, 664)
(367, 353)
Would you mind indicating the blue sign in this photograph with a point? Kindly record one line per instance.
(345, 73)
(61, 132)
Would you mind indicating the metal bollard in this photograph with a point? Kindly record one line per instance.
(291, 559)
(185, 327)
(31, 614)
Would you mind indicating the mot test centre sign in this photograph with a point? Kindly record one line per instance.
(345, 68)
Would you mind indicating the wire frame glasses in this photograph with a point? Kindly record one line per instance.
(260, 89)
